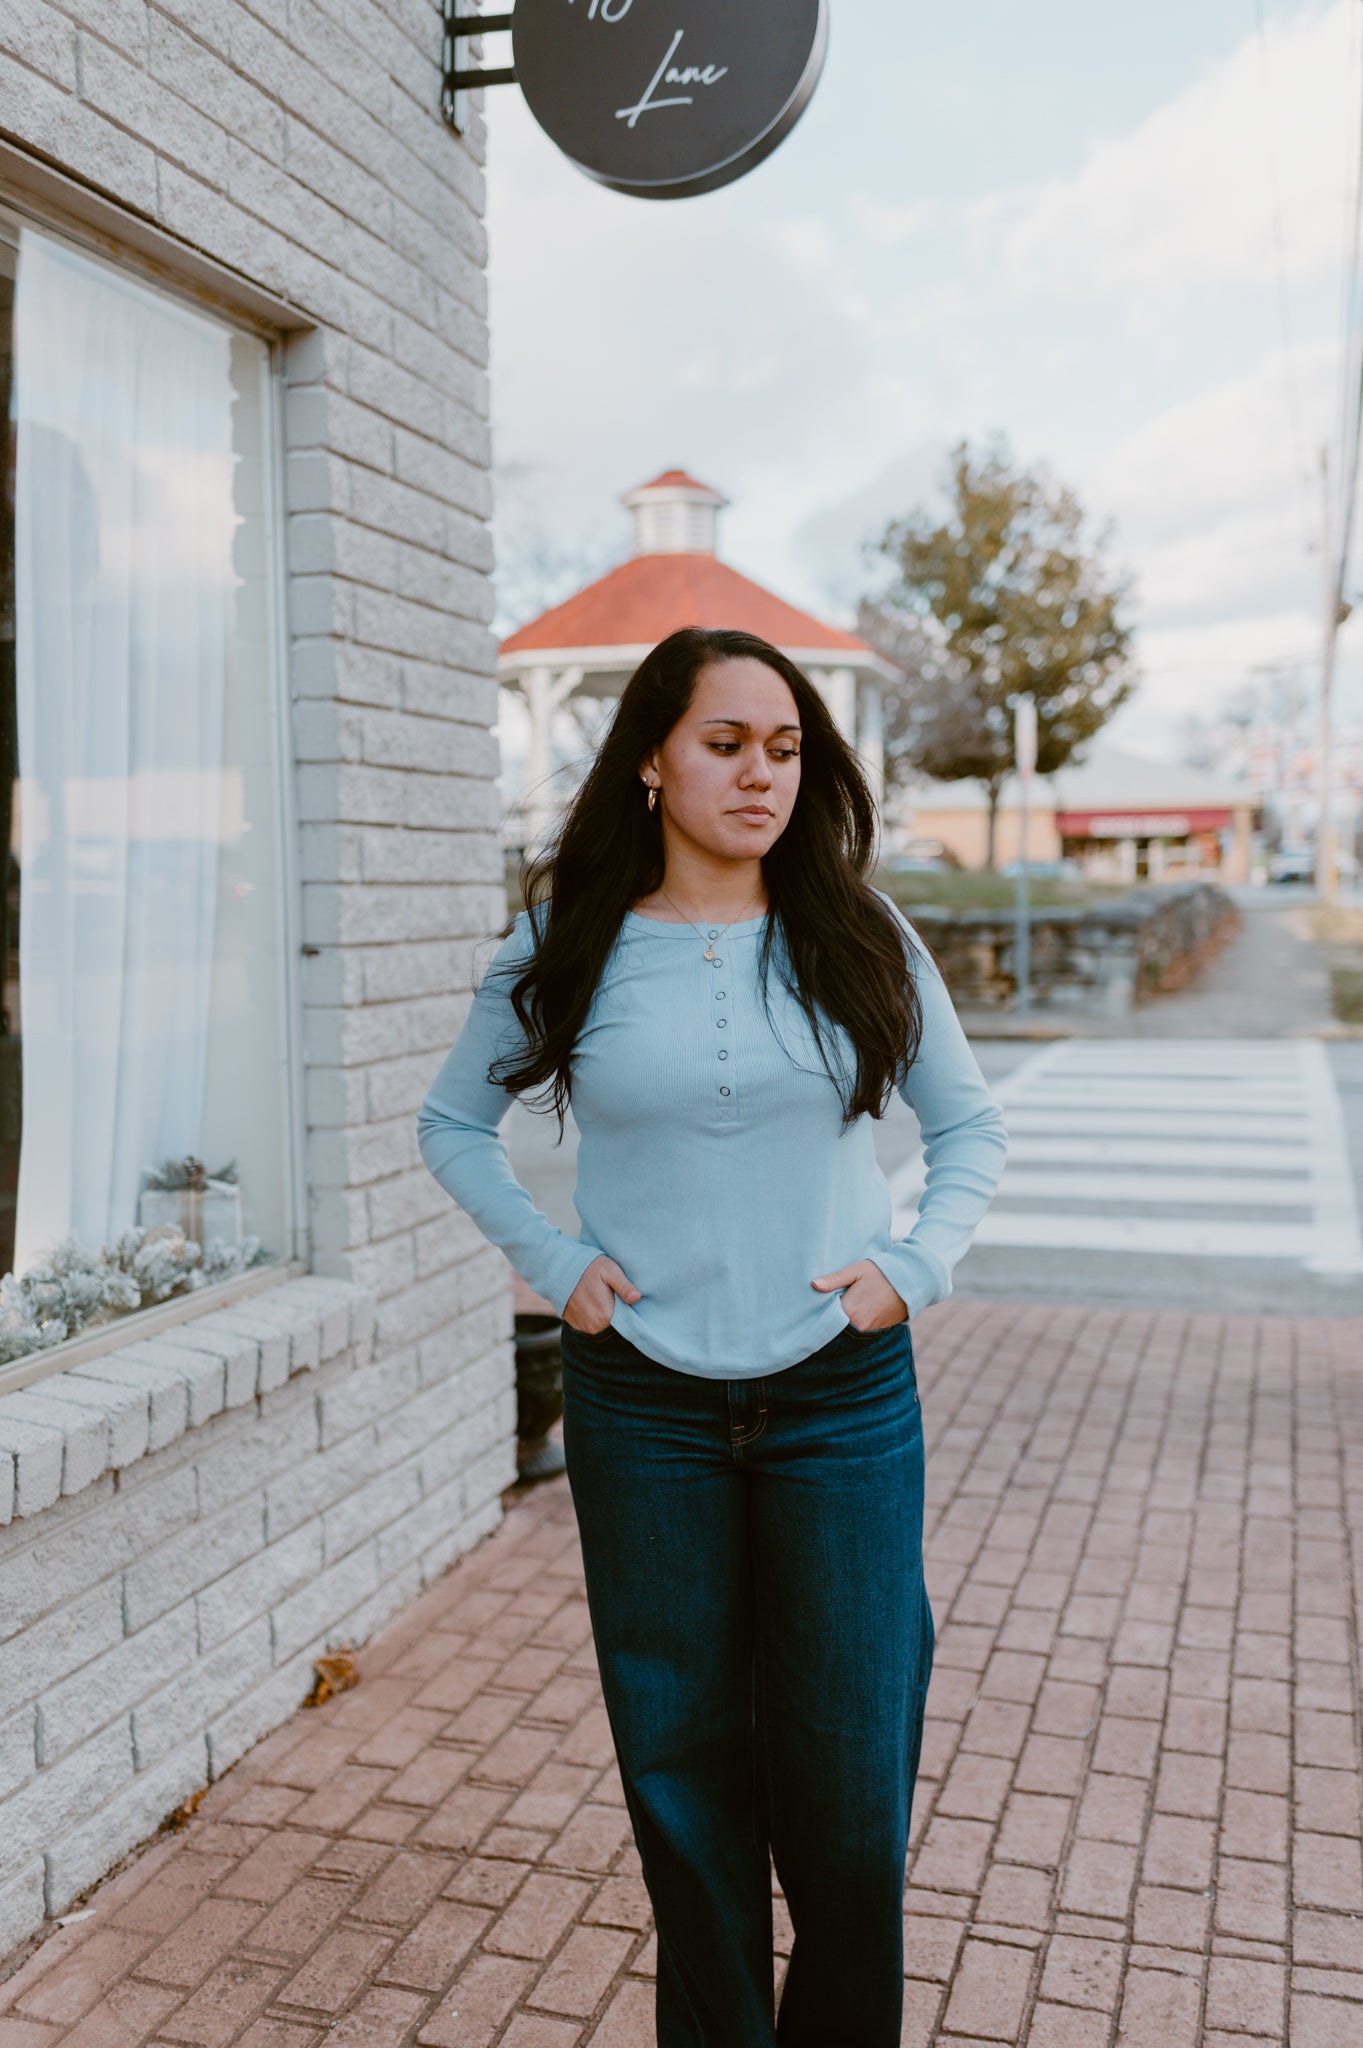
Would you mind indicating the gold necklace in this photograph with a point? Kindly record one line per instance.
(710, 949)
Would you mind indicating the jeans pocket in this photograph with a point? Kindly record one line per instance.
(885, 1350)
(595, 1340)
(865, 1336)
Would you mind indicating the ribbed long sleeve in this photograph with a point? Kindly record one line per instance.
(459, 1131)
(712, 1165)
(964, 1144)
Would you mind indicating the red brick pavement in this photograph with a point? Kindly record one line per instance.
(1138, 1822)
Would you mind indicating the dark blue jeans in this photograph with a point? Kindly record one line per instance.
(753, 1554)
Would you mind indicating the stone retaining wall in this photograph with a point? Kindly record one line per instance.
(1103, 960)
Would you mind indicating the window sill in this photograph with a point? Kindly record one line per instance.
(99, 1403)
(144, 1322)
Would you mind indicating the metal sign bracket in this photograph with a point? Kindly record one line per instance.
(459, 79)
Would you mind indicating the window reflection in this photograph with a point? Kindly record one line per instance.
(11, 1079)
(143, 1142)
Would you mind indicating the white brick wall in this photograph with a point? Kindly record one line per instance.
(188, 1532)
(164, 1613)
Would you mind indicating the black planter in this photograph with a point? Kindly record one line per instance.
(539, 1396)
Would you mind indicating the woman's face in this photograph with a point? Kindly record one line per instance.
(729, 770)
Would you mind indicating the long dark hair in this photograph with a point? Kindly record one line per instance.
(846, 960)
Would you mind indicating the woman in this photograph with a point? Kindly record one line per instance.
(727, 1004)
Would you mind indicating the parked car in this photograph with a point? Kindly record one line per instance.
(1044, 870)
(923, 857)
(1292, 864)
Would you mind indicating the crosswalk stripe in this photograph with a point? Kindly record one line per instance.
(1179, 1236)
(1276, 1100)
(1209, 1153)
(1206, 1190)
(1136, 1122)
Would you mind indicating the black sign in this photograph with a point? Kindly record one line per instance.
(667, 98)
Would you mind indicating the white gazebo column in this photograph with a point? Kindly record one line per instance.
(838, 688)
(544, 693)
(871, 737)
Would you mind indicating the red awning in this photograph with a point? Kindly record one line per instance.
(1139, 824)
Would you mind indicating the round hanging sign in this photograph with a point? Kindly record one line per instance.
(667, 98)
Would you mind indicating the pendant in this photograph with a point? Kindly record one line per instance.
(709, 953)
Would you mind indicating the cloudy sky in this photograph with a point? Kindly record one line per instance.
(1115, 235)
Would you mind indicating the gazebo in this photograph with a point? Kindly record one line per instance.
(592, 643)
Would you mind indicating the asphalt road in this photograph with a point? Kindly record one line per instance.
(1268, 986)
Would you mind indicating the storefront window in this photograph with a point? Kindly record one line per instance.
(10, 1075)
(144, 1106)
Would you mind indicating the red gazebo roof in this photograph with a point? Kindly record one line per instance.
(650, 596)
(677, 479)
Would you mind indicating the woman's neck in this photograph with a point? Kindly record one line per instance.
(704, 892)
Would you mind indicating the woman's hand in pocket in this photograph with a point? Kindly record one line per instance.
(591, 1304)
(869, 1302)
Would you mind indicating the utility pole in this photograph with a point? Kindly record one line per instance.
(1337, 611)
(1325, 852)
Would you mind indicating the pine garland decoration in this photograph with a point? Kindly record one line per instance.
(75, 1289)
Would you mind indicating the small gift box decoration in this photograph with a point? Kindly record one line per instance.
(204, 1206)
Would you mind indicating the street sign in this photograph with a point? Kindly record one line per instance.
(1024, 755)
(664, 99)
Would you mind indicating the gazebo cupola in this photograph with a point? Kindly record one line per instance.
(590, 645)
(674, 515)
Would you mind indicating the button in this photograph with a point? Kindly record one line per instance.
(716, 962)
(714, 935)
(720, 994)
(723, 1091)
(720, 1023)
(724, 1055)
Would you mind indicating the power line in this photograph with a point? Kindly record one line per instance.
(1337, 511)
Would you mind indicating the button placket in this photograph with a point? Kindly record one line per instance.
(724, 1102)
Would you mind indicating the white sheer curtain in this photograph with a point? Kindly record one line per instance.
(123, 592)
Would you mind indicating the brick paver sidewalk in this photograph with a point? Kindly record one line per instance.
(1139, 1816)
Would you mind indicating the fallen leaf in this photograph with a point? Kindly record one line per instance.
(336, 1672)
(183, 1815)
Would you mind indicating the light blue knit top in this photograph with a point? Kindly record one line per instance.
(712, 1165)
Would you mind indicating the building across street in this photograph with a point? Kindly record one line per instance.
(1119, 816)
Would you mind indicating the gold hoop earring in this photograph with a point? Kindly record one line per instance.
(653, 796)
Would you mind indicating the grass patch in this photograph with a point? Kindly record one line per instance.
(1338, 924)
(1346, 992)
(972, 889)
(1339, 934)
